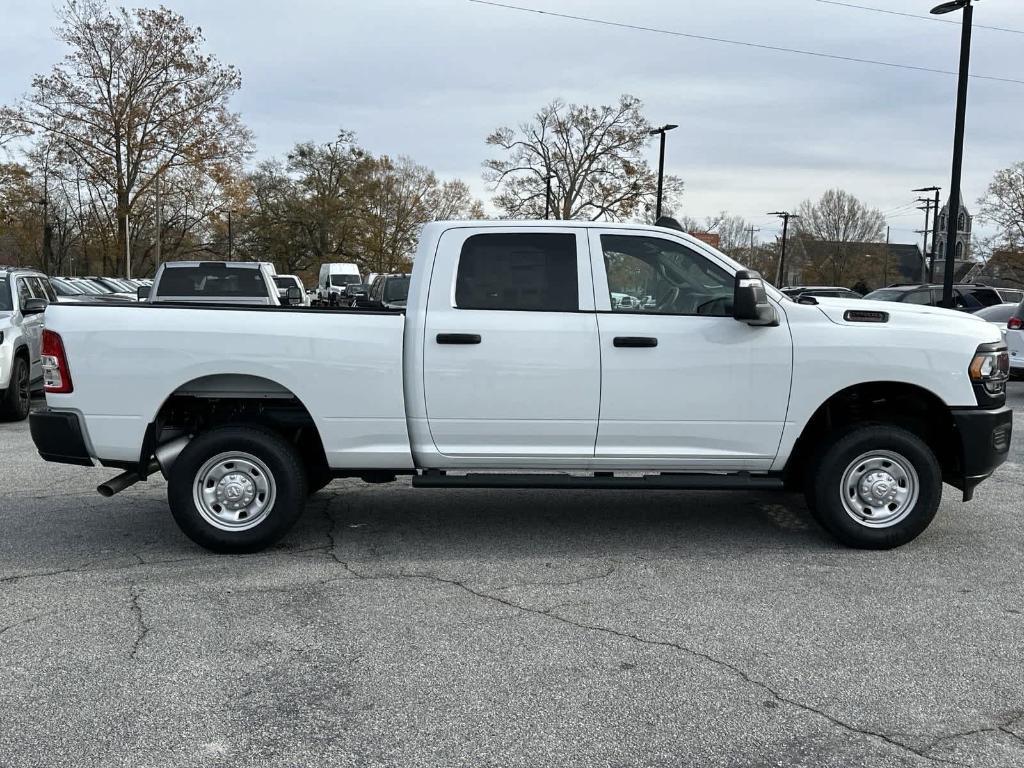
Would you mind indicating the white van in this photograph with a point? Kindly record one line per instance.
(332, 287)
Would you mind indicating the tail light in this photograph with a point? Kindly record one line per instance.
(1015, 324)
(56, 376)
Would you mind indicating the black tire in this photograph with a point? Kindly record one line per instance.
(16, 400)
(282, 475)
(873, 445)
(317, 479)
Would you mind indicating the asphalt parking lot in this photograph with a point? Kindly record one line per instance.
(471, 628)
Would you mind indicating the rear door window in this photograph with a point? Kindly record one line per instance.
(518, 271)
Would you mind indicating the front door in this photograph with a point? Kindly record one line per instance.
(511, 364)
(684, 385)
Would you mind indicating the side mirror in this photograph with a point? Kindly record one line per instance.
(34, 306)
(143, 292)
(750, 300)
(293, 296)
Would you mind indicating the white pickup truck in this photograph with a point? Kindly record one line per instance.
(511, 367)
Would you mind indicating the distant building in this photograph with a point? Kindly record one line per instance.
(963, 235)
(876, 264)
(712, 239)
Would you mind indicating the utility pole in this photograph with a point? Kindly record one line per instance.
(928, 269)
(927, 228)
(885, 260)
(752, 229)
(156, 246)
(231, 236)
(547, 197)
(785, 216)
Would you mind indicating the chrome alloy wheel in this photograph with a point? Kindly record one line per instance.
(234, 491)
(879, 489)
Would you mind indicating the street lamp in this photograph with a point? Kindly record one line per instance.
(953, 216)
(661, 163)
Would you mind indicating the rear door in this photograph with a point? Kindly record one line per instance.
(684, 385)
(511, 364)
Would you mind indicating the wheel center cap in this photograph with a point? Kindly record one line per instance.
(235, 490)
(878, 487)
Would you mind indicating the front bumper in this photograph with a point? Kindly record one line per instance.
(58, 437)
(984, 444)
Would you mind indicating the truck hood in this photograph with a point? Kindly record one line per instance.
(834, 309)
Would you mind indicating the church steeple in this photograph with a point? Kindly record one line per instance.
(963, 232)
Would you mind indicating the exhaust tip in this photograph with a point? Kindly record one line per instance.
(105, 490)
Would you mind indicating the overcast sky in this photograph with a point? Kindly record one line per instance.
(759, 130)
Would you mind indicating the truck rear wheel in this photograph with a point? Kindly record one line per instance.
(237, 489)
(875, 487)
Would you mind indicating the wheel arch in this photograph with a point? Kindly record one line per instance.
(218, 399)
(902, 404)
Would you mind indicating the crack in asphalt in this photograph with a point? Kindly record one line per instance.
(1002, 727)
(702, 655)
(23, 622)
(141, 627)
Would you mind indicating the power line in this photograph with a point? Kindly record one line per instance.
(917, 16)
(760, 46)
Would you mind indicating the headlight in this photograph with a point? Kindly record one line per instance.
(990, 369)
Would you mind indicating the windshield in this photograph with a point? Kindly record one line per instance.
(122, 285)
(65, 289)
(396, 290)
(344, 279)
(6, 304)
(885, 294)
(215, 280)
(95, 285)
(284, 283)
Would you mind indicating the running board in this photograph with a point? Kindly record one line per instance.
(740, 481)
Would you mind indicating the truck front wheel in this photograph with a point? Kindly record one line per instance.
(237, 489)
(875, 487)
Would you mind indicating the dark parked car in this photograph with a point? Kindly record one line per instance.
(825, 291)
(965, 297)
(387, 292)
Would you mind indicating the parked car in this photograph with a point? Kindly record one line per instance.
(216, 282)
(927, 296)
(333, 283)
(511, 358)
(357, 292)
(386, 292)
(283, 283)
(999, 315)
(73, 292)
(24, 296)
(823, 291)
(1014, 336)
(1011, 295)
(112, 285)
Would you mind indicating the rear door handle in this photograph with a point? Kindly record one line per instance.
(635, 341)
(458, 338)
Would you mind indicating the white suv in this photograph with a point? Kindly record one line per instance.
(24, 295)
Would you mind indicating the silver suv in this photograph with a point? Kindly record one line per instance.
(24, 294)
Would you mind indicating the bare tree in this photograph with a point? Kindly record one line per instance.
(833, 233)
(134, 98)
(1003, 205)
(591, 156)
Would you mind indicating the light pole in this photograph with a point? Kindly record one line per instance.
(785, 216)
(930, 257)
(953, 213)
(231, 236)
(661, 164)
(547, 196)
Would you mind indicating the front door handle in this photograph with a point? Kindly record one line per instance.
(458, 338)
(635, 341)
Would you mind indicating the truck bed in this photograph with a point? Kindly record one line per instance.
(343, 366)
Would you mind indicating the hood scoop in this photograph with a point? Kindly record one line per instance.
(865, 316)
